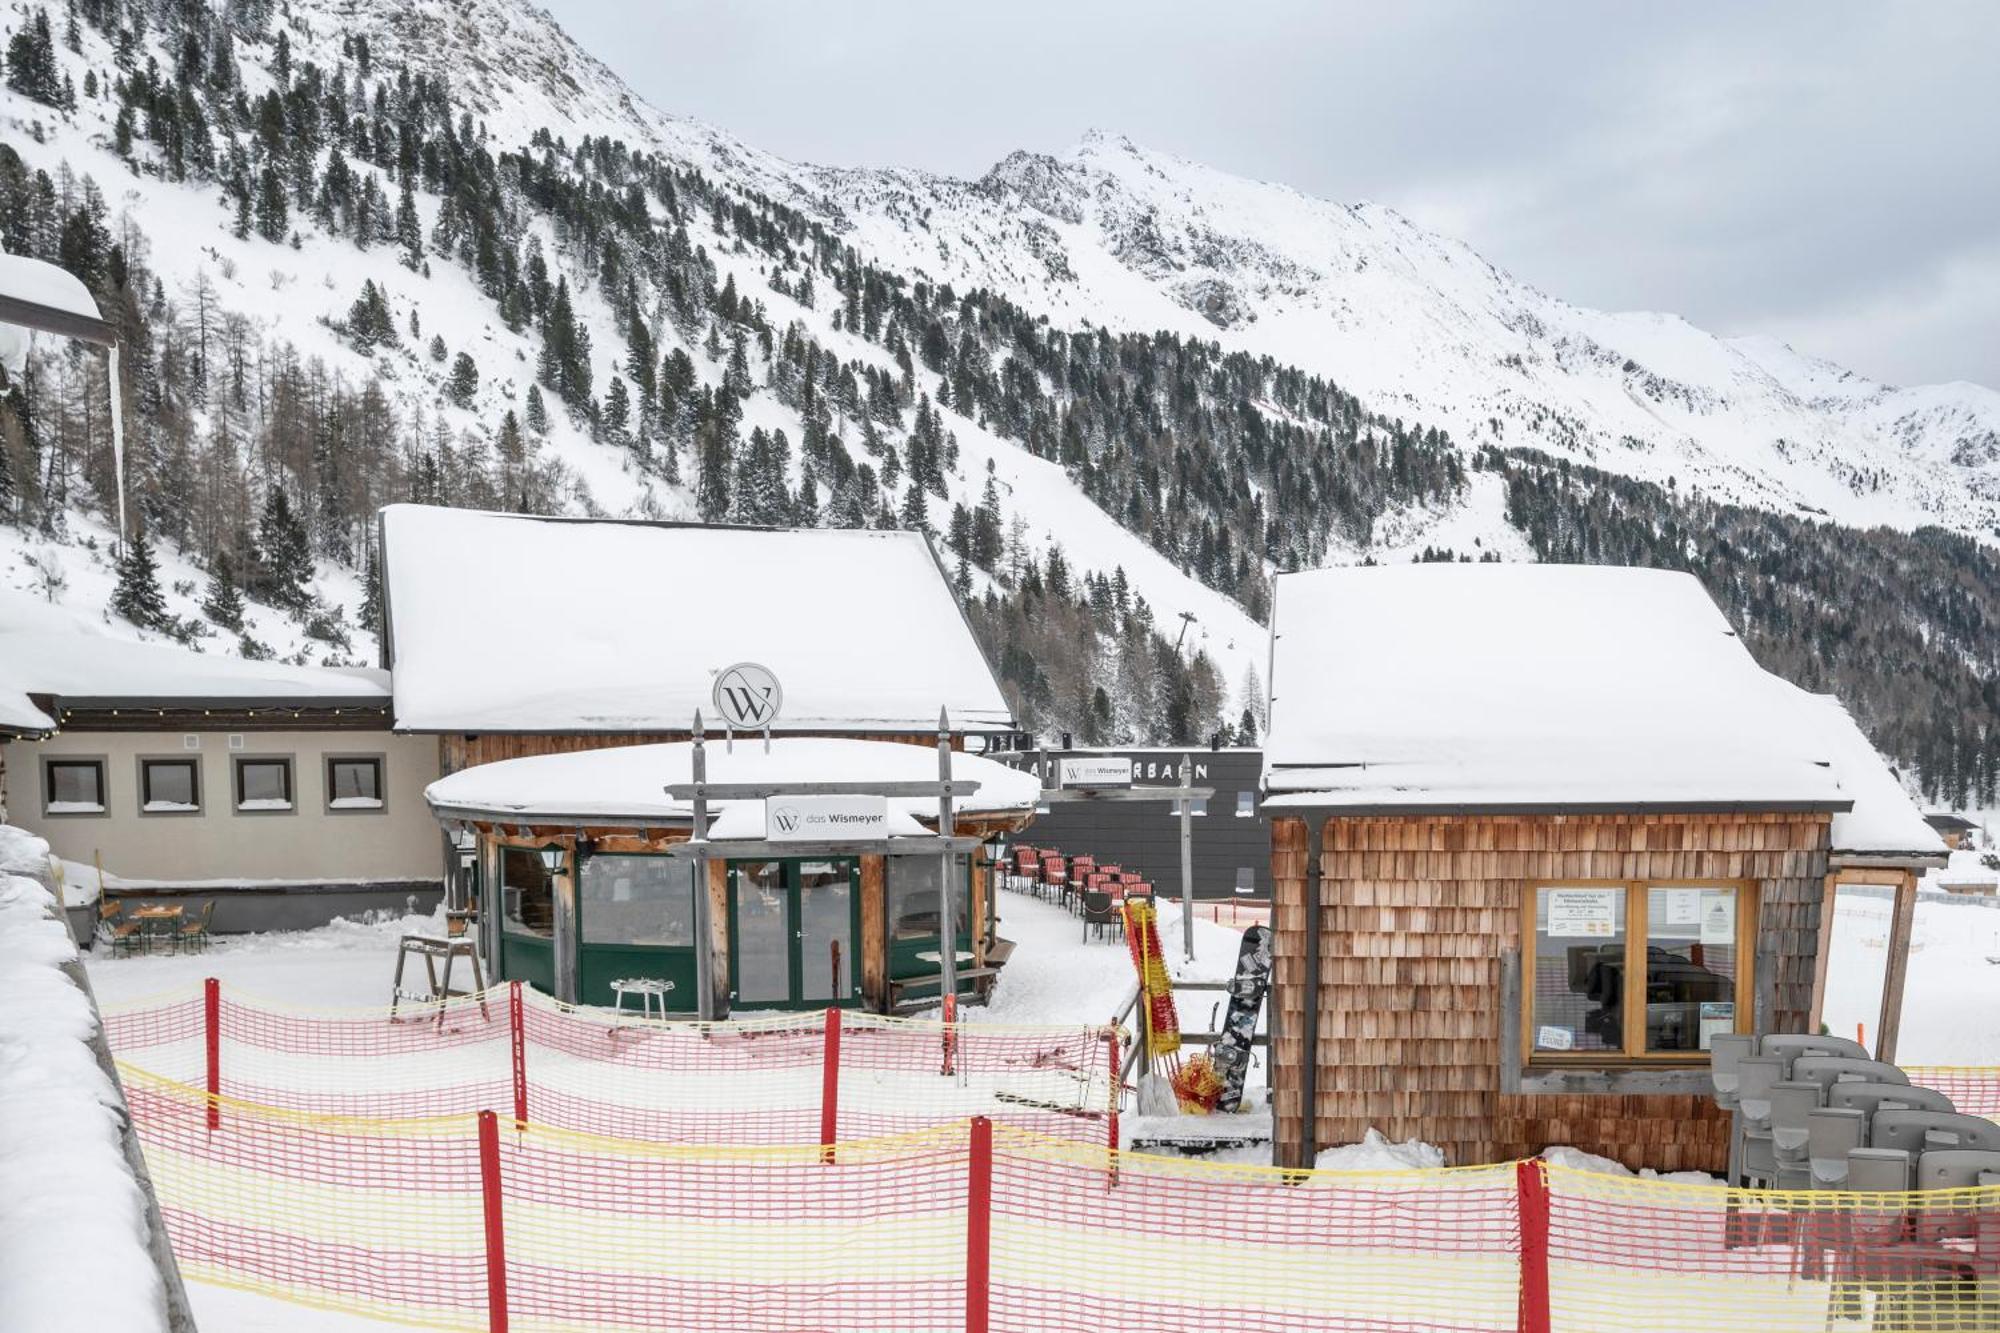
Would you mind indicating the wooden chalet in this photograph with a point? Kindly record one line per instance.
(562, 663)
(1561, 830)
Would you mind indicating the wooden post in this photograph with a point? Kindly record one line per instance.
(1187, 859)
(1889, 1026)
(496, 1238)
(1309, 1036)
(1829, 903)
(566, 942)
(947, 915)
(704, 953)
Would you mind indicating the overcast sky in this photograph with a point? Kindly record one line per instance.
(1828, 173)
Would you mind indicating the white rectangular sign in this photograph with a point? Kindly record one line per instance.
(825, 818)
(1718, 916)
(1097, 771)
(1582, 913)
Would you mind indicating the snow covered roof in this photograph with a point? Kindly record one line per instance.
(627, 782)
(1493, 687)
(47, 651)
(1885, 821)
(35, 294)
(504, 622)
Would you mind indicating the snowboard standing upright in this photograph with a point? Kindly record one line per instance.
(1239, 1026)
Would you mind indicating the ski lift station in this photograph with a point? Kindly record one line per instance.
(733, 762)
(1561, 831)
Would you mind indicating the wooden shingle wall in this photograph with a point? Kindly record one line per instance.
(1416, 912)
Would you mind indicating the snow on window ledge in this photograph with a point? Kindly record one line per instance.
(170, 807)
(354, 803)
(75, 807)
(265, 803)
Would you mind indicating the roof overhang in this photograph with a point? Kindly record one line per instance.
(1849, 860)
(50, 319)
(1327, 804)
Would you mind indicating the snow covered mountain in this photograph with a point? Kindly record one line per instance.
(246, 159)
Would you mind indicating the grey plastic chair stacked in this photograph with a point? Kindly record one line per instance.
(1792, 1105)
(1828, 1070)
(1832, 1132)
(1794, 1044)
(1870, 1098)
(1756, 1075)
(1920, 1132)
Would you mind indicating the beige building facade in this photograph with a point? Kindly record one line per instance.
(231, 806)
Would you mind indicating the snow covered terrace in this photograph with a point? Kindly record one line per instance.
(1495, 689)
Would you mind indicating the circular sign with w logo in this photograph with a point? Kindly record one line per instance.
(747, 696)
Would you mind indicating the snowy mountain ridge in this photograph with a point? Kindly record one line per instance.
(1112, 234)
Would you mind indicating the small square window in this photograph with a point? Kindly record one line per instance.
(1246, 881)
(169, 787)
(354, 784)
(263, 784)
(1197, 806)
(74, 787)
(1246, 804)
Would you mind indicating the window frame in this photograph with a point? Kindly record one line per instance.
(51, 762)
(192, 761)
(236, 766)
(1246, 796)
(1637, 934)
(381, 764)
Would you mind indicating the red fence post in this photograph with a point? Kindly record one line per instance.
(950, 1033)
(829, 1087)
(496, 1235)
(211, 1027)
(1531, 1193)
(979, 1226)
(1117, 1090)
(517, 1038)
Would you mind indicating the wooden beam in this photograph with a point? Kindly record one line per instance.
(48, 319)
(1888, 1026)
(1828, 903)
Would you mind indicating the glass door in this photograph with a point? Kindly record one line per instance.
(792, 931)
(826, 931)
(760, 933)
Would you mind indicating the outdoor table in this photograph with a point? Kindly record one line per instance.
(161, 921)
(937, 955)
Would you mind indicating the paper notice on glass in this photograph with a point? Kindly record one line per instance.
(1717, 1018)
(1718, 917)
(1582, 913)
(1555, 1039)
(1683, 907)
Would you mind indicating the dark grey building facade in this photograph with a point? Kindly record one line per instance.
(1231, 838)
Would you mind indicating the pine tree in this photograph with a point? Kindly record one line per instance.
(617, 413)
(371, 590)
(32, 70)
(284, 570)
(223, 603)
(369, 323)
(915, 513)
(138, 597)
(464, 383)
(409, 230)
(537, 410)
(437, 348)
(273, 208)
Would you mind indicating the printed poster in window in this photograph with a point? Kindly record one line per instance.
(1582, 913)
(1683, 907)
(1718, 916)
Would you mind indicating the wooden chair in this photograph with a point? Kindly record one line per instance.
(113, 929)
(193, 935)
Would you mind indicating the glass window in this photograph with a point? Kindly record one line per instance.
(644, 900)
(1196, 806)
(354, 784)
(1579, 972)
(1663, 962)
(528, 897)
(263, 784)
(1691, 965)
(1246, 880)
(168, 786)
(1246, 804)
(75, 787)
(915, 904)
